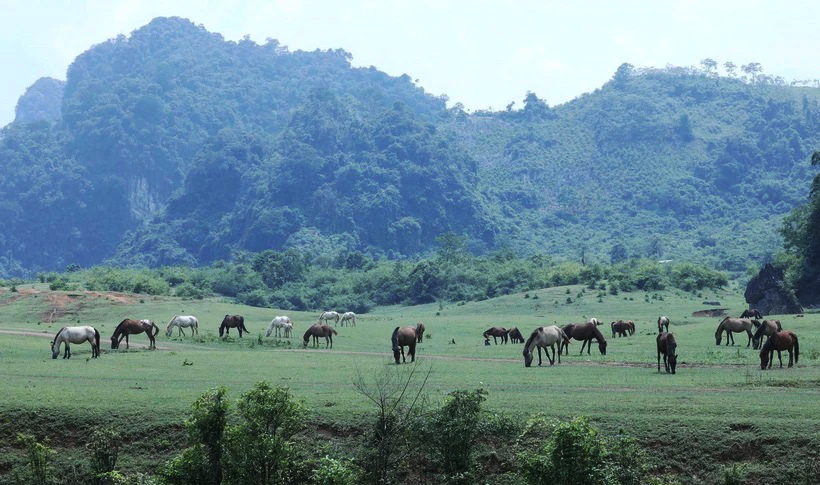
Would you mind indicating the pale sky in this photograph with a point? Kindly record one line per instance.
(482, 53)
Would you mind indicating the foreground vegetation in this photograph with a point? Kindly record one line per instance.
(741, 418)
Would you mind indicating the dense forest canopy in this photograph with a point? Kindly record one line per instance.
(174, 146)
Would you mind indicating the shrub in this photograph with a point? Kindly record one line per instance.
(333, 472)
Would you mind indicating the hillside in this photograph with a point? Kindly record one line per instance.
(175, 146)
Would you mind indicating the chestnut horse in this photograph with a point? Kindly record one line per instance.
(668, 347)
(232, 321)
(586, 332)
(546, 338)
(663, 322)
(497, 332)
(767, 328)
(779, 341)
(622, 328)
(133, 327)
(406, 337)
(515, 336)
(318, 330)
(730, 325)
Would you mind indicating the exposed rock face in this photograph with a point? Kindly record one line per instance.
(41, 102)
(765, 292)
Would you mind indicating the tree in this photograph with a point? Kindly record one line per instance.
(453, 430)
(622, 75)
(618, 253)
(730, 68)
(451, 247)
(710, 66)
(753, 69)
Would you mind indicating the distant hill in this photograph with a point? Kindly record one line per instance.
(174, 146)
(41, 101)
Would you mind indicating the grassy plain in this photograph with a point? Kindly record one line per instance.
(719, 409)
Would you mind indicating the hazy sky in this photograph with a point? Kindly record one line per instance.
(481, 53)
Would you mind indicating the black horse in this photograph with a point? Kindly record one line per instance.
(232, 321)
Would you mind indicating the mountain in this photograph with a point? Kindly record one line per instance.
(174, 146)
(41, 102)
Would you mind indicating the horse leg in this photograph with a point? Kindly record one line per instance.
(729, 336)
(67, 351)
(183, 332)
(791, 356)
(547, 351)
(780, 358)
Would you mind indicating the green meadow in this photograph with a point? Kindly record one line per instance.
(719, 409)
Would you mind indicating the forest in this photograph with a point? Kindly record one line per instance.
(175, 147)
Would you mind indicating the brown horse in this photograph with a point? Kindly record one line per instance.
(232, 321)
(767, 328)
(132, 327)
(663, 322)
(733, 325)
(497, 332)
(515, 336)
(668, 347)
(564, 345)
(779, 341)
(406, 337)
(622, 328)
(753, 313)
(586, 332)
(320, 330)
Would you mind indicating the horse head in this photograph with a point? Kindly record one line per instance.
(673, 361)
(601, 347)
(764, 359)
(114, 343)
(527, 358)
(55, 350)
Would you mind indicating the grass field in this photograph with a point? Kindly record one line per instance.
(719, 409)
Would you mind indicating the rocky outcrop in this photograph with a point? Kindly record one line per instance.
(41, 102)
(766, 293)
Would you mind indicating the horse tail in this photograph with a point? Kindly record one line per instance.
(242, 324)
(155, 328)
(97, 340)
(395, 340)
(796, 347)
(334, 331)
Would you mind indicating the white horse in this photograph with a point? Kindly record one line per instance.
(180, 321)
(595, 321)
(545, 337)
(280, 323)
(76, 335)
(348, 317)
(325, 316)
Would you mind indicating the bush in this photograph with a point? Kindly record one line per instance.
(333, 472)
(452, 431)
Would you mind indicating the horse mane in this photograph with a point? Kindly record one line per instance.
(532, 337)
(394, 339)
(597, 333)
(119, 325)
(58, 334)
(171, 322)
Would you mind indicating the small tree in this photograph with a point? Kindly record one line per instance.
(38, 462)
(259, 448)
(104, 448)
(452, 432)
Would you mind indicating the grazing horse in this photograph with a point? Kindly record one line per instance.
(325, 316)
(320, 330)
(76, 335)
(133, 327)
(515, 336)
(622, 328)
(754, 312)
(568, 331)
(668, 347)
(595, 321)
(779, 341)
(767, 328)
(497, 332)
(663, 322)
(232, 321)
(280, 324)
(586, 332)
(349, 318)
(730, 325)
(180, 321)
(406, 337)
(546, 338)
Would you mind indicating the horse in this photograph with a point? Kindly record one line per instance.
(779, 341)
(406, 337)
(730, 324)
(568, 331)
(595, 321)
(133, 327)
(515, 336)
(232, 321)
(663, 322)
(180, 321)
(622, 328)
(767, 328)
(320, 330)
(76, 335)
(546, 338)
(348, 317)
(668, 347)
(279, 323)
(754, 312)
(586, 332)
(497, 332)
(325, 316)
